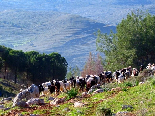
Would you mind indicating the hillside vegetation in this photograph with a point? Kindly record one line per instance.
(8, 88)
(134, 99)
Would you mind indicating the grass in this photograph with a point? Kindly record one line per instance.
(140, 100)
(139, 97)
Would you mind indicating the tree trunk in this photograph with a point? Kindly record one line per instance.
(15, 75)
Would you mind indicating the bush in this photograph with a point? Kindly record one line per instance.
(128, 84)
(72, 93)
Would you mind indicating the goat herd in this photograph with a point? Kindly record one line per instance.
(79, 82)
(85, 83)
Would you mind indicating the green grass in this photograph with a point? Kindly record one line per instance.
(140, 97)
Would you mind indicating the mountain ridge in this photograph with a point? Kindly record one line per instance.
(70, 35)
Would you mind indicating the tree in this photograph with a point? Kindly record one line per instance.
(4, 54)
(73, 71)
(93, 65)
(31, 69)
(133, 44)
(58, 66)
(1, 63)
(17, 62)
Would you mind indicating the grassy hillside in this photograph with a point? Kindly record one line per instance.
(137, 100)
(70, 35)
(8, 89)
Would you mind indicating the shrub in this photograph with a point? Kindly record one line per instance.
(72, 93)
(128, 84)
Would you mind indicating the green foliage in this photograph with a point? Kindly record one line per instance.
(73, 71)
(1, 63)
(128, 84)
(137, 83)
(132, 45)
(72, 93)
(153, 82)
(36, 67)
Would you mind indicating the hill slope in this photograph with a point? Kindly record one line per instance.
(70, 35)
(136, 100)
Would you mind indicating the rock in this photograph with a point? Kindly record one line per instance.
(21, 104)
(124, 113)
(2, 102)
(1, 107)
(19, 114)
(57, 101)
(7, 99)
(78, 111)
(35, 101)
(34, 115)
(141, 83)
(51, 98)
(116, 89)
(98, 91)
(78, 104)
(66, 109)
(126, 107)
(6, 109)
(84, 94)
(93, 88)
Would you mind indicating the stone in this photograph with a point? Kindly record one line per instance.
(21, 104)
(126, 107)
(35, 101)
(78, 104)
(84, 94)
(98, 91)
(1, 107)
(57, 101)
(51, 98)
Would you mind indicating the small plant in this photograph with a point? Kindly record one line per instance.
(124, 89)
(128, 84)
(153, 82)
(101, 111)
(137, 83)
(72, 93)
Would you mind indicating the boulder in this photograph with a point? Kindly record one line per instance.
(35, 101)
(78, 104)
(57, 101)
(21, 104)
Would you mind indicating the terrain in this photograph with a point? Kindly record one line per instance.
(132, 98)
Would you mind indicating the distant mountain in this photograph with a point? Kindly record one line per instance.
(104, 11)
(70, 35)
